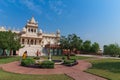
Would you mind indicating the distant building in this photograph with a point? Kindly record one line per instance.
(35, 40)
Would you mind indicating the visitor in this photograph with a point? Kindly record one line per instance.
(38, 53)
(24, 55)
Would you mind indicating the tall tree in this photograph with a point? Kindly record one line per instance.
(112, 49)
(95, 47)
(9, 41)
(86, 47)
(4, 41)
(72, 41)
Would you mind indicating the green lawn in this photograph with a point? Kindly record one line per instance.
(108, 68)
(4, 60)
(12, 76)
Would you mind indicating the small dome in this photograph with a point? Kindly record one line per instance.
(24, 29)
(40, 31)
(2, 29)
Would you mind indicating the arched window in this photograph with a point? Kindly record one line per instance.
(31, 42)
(31, 30)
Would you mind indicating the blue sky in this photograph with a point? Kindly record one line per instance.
(95, 20)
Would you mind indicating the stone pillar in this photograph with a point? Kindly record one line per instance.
(29, 41)
(25, 41)
(33, 41)
(20, 40)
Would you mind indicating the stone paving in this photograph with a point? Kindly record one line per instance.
(75, 72)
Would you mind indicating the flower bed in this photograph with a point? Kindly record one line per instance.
(29, 62)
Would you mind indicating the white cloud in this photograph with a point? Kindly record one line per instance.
(32, 6)
(57, 6)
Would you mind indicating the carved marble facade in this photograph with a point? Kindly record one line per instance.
(33, 39)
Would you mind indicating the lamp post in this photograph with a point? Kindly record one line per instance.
(49, 57)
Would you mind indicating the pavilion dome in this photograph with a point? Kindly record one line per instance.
(2, 29)
(40, 31)
(58, 31)
(24, 29)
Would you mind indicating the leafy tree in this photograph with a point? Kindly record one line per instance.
(95, 47)
(9, 41)
(112, 49)
(4, 41)
(86, 47)
(72, 41)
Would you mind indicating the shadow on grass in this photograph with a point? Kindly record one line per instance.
(110, 66)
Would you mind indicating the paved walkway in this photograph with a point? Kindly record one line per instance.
(75, 72)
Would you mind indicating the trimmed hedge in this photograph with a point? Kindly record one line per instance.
(70, 62)
(36, 58)
(47, 64)
(27, 62)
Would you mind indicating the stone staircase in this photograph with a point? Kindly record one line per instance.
(31, 50)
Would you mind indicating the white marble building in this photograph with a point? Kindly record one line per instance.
(35, 40)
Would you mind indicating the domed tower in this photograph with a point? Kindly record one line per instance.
(58, 33)
(58, 36)
(32, 26)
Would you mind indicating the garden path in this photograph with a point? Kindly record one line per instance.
(76, 72)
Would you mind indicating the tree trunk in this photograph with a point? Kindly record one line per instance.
(11, 53)
(4, 53)
(68, 55)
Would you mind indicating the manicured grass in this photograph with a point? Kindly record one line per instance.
(12, 76)
(4, 60)
(108, 68)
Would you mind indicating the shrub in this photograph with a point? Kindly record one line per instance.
(47, 64)
(27, 62)
(37, 58)
(70, 62)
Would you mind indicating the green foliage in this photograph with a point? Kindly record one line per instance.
(70, 42)
(9, 40)
(112, 49)
(70, 62)
(27, 62)
(86, 46)
(36, 58)
(73, 42)
(95, 47)
(47, 64)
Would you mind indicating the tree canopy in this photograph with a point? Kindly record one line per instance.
(9, 41)
(112, 49)
(72, 41)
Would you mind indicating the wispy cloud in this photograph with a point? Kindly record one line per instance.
(32, 6)
(57, 6)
